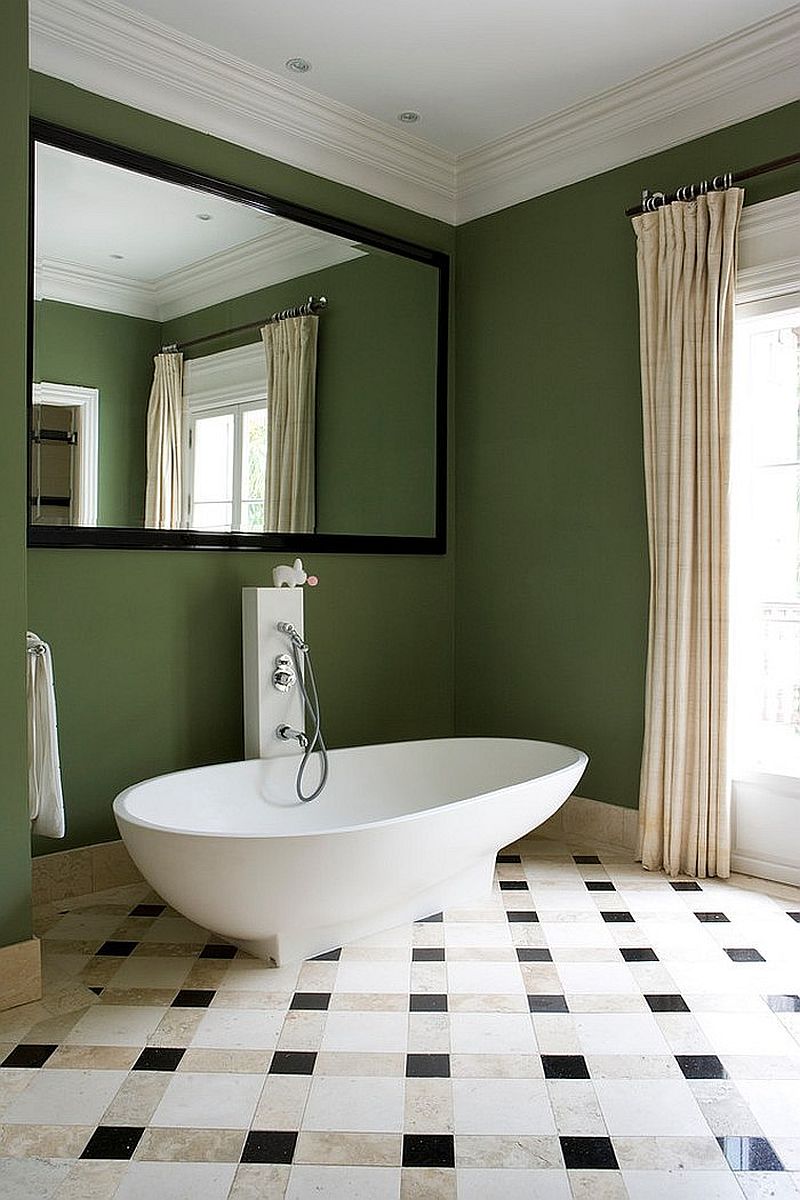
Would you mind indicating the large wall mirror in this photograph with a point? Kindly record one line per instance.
(212, 367)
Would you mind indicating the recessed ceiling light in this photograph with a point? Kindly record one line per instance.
(116, 256)
(204, 216)
(409, 117)
(299, 65)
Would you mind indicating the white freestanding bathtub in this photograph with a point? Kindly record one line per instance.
(401, 831)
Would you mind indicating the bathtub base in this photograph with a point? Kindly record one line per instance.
(471, 886)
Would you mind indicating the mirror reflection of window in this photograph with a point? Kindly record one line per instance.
(227, 468)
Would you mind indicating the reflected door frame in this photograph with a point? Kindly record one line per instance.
(87, 402)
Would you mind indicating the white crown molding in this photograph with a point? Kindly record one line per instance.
(771, 218)
(106, 48)
(286, 252)
(71, 283)
(747, 73)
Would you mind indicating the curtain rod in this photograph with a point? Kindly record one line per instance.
(306, 309)
(652, 201)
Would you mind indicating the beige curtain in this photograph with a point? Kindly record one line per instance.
(686, 259)
(291, 350)
(163, 495)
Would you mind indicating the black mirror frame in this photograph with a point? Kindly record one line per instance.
(110, 537)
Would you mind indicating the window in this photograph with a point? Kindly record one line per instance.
(224, 481)
(227, 467)
(766, 542)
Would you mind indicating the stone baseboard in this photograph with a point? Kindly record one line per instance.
(594, 821)
(20, 973)
(77, 872)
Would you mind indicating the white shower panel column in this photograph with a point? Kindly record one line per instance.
(265, 707)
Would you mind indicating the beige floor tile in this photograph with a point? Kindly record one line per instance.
(508, 1151)
(369, 1002)
(92, 1180)
(496, 1066)
(177, 1027)
(190, 1145)
(137, 1099)
(262, 1181)
(669, 1154)
(354, 1064)
(240, 1062)
(282, 1102)
(94, 1058)
(43, 1141)
(427, 1183)
(428, 1106)
(365, 1149)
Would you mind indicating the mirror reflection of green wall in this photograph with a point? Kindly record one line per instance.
(126, 264)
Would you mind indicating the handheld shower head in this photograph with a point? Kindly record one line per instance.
(290, 631)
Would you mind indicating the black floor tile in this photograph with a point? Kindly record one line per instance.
(98, 991)
(701, 1066)
(428, 1066)
(551, 1004)
(428, 1002)
(638, 954)
(427, 954)
(617, 918)
(293, 1062)
(742, 954)
(218, 950)
(269, 1146)
(194, 998)
(585, 858)
(533, 954)
(158, 1058)
(434, 918)
(428, 1150)
(113, 1141)
(794, 915)
(682, 885)
(522, 915)
(509, 858)
(318, 1001)
(783, 1003)
(565, 1066)
(28, 1055)
(328, 956)
(588, 1153)
(749, 1154)
(712, 918)
(513, 885)
(600, 885)
(663, 1003)
(147, 910)
(116, 949)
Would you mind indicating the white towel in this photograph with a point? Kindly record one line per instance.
(45, 797)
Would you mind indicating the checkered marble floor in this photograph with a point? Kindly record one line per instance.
(593, 1030)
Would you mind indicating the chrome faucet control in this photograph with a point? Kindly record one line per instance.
(286, 734)
(284, 677)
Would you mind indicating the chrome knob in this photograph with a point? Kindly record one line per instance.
(284, 677)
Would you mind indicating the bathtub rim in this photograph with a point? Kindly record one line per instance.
(121, 813)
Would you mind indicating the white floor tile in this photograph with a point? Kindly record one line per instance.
(344, 1183)
(749, 1033)
(682, 1185)
(650, 1107)
(31, 1178)
(176, 1181)
(502, 1106)
(775, 1104)
(115, 1025)
(65, 1098)
(495, 1184)
(363, 1105)
(492, 1033)
(194, 1100)
(380, 1032)
(623, 1033)
(239, 1029)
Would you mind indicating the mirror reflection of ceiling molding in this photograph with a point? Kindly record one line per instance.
(112, 239)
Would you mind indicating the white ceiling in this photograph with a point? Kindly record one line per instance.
(473, 71)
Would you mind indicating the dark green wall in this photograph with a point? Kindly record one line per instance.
(552, 572)
(112, 352)
(15, 873)
(147, 645)
(376, 390)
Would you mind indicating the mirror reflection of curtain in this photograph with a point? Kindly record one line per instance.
(165, 422)
(291, 350)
